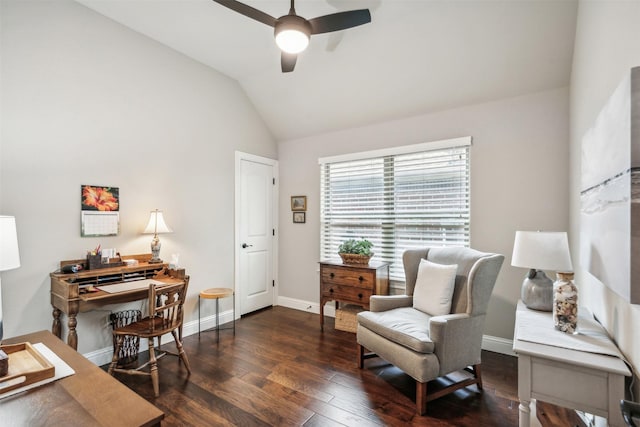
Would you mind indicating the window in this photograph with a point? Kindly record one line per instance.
(402, 198)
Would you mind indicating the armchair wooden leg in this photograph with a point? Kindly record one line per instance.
(360, 356)
(421, 397)
(478, 374)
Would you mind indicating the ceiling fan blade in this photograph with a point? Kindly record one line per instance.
(339, 21)
(288, 62)
(248, 11)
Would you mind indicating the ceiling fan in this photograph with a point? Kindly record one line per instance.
(292, 32)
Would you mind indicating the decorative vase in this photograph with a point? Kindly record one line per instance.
(565, 303)
(537, 291)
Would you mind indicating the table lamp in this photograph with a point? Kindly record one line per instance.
(9, 255)
(156, 225)
(537, 251)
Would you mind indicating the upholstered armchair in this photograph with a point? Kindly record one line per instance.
(427, 346)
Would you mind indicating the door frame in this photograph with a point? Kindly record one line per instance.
(240, 156)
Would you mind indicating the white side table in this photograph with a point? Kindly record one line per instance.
(590, 382)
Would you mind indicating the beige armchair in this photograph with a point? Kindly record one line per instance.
(427, 347)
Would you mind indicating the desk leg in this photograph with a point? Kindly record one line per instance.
(72, 337)
(55, 327)
(322, 313)
(616, 393)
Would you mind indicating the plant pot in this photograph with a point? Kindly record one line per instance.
(355, 258)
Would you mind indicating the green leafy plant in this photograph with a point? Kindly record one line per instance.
(353, 246)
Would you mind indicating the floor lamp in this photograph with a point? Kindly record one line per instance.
(9, 255)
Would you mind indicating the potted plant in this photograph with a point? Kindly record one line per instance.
(355, 251)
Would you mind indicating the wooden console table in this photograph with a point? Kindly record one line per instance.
(574, 379)
(69, 294)
(90, 397)
(351, 283)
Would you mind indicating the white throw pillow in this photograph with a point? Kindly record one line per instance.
(434, 287)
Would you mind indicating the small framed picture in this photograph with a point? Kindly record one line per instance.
(299, 217)
(298, 203)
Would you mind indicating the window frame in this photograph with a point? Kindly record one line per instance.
(388, 250)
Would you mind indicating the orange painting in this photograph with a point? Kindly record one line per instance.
(105, 199)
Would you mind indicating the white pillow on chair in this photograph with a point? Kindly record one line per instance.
(434, 287)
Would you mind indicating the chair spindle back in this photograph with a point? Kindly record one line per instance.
(168, 305)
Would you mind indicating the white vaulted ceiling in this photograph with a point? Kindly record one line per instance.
(416, 56)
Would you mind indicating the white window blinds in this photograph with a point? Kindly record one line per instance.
(397, 201)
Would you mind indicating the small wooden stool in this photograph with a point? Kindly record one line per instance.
(217, 293)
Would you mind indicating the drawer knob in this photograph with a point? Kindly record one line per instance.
(360, 296)
(331, 290)
(332, 275)
(361, 278)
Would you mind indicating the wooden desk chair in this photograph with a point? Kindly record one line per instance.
(165, 316)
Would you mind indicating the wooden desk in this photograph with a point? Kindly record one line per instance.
(351, 283)
(67, 294)
(90, 397)
(574, 379)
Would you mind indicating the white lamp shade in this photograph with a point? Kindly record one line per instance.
(542, 250)
(156, 224)
(9, 255)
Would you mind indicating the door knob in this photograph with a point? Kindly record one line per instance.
(244, 246)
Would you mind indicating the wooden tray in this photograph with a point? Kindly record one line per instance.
(26, 366)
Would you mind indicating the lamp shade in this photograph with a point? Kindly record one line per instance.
(542, 250)
(156, 224)
(9, 255)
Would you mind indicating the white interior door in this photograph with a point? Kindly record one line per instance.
(255, 231)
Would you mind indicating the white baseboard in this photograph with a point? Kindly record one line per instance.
(103, 356)
(490, 343)
(310, 307)
(100, 357)
(498, 345)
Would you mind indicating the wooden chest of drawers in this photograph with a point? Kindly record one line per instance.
(351, 283)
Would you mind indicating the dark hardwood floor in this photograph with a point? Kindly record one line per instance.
(281, 370)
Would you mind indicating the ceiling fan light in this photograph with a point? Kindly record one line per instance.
(292, 40)
(292, 33)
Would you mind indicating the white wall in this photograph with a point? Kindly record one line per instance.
(519, 181)
(606, 48)
(88, 101)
